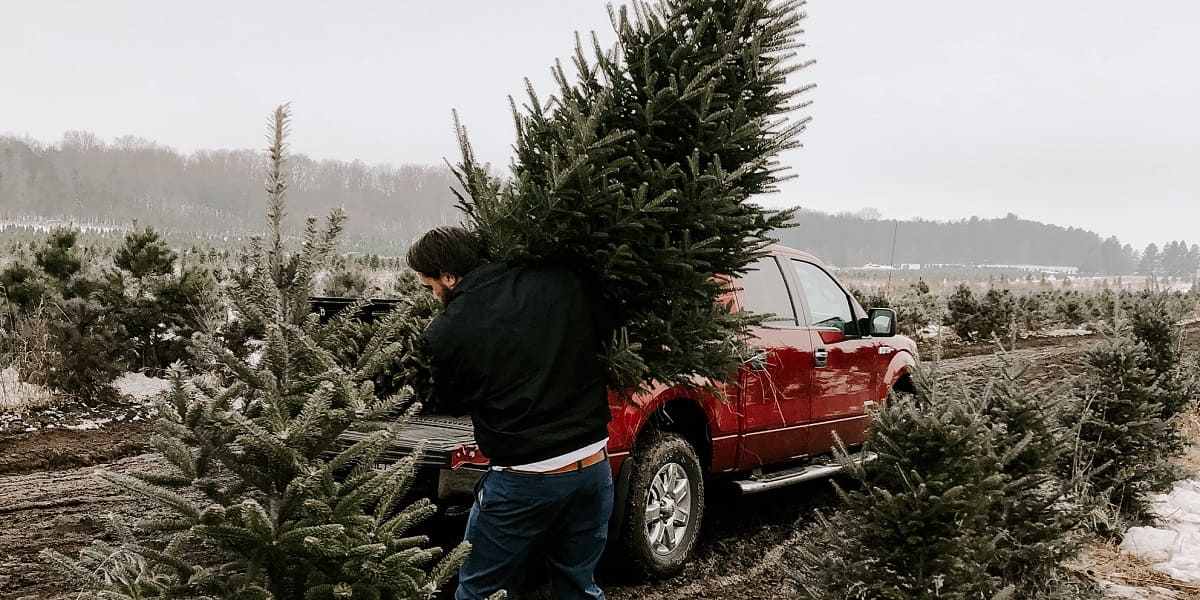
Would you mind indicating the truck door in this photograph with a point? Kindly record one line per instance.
(844, 362)
(774, 385)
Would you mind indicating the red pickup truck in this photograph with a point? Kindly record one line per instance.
(821, 363)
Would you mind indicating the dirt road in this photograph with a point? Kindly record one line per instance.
(739, 555)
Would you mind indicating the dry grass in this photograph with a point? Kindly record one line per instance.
(1105, 562)
(20, 397)
(24, 359)
(1189, 425)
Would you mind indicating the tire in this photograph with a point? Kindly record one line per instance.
(665, 459)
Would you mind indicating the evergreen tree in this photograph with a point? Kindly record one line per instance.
(917, 308)
(58, 258)
(640, 175)
(87, 352)
(159, 308)
(961, 311)
(997, 314)
(284, 513)
(1192, 265)
(1174, 256)
(1149, 264)
(22, 286)
(1154, 322)
(1070, 308)
(144, 253)
(1123, 441)
(1031, 311)
(962, 502)
(1037, 520)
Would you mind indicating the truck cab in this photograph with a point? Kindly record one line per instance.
(815, 370)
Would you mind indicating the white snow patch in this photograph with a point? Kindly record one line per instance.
(1173, 547)
(1063, 332)
(932, 330)
(139, 386)
(87, 424)
(1150, 544)
(1136, 593)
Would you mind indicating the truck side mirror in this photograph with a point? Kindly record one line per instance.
(883, 322)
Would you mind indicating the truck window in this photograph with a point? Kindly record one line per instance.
(765, 291)
(828, 304)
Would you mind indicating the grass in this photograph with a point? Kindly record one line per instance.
(26, 350)
(21, 397)
(1105, 561)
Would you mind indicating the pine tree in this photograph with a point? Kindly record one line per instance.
(920, 525)
(917, 308)
(22, 286)
(962, 310)
(1031, 311)
(1038, 521)
(159, 308)
(640, 175)
(1154, 323)
(86, 351)
(143, 253)
(961, 502)
(1150, 262)
(58, 258)
(1122, 440)
(262, 503)
(997, 313)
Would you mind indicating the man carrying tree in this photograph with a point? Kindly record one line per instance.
(519, 349)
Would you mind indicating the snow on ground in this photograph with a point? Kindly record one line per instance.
(26, 408)
(140, 387)
(1125, 592)
(1173, 546)
(1064, 332)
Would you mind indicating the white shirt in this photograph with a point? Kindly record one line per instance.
(560, 461)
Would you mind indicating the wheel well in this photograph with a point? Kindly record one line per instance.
(685, 417)
(905, 384)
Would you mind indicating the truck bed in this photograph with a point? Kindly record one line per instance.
(439, 435)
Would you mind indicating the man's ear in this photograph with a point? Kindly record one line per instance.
(450, 280)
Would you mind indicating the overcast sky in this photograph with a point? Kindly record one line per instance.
(1073, 112)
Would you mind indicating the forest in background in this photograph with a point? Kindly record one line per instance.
(861, 238)
(215, 196)
(212, 194)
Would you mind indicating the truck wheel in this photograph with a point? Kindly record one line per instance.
(664, 507)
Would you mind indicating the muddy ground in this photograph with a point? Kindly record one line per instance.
(50, 499)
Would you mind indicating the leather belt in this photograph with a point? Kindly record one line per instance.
(600, 456)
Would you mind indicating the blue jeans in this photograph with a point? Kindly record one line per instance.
(520, 520)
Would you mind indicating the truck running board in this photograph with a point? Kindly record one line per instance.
(792, 476)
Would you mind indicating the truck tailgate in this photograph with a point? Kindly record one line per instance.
(439, 435)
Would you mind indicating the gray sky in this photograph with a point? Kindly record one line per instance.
(1072, 112)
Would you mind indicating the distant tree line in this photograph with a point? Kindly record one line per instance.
(853, 239)
(83, 178)
(211, 198)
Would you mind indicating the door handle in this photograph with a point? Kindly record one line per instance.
(821, 357)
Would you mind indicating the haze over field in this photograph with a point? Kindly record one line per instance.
(1068, 112)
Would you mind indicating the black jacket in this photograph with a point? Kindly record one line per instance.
(519, 349)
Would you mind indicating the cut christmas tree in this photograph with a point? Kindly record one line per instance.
(642, 173)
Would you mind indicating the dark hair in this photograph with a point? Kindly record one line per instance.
(452, 250)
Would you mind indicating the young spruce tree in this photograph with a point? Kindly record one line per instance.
(1124, 439)
(961, 503)
(640, 175)
(261, 503)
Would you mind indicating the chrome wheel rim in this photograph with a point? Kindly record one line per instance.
(668, 508)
